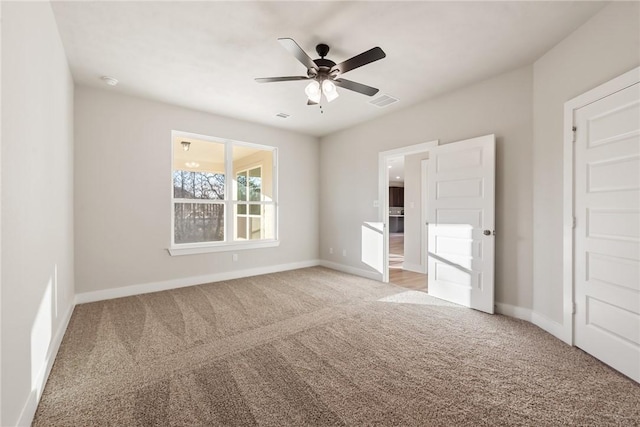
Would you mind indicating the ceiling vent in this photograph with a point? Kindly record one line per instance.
(282, 115)
(383, 101)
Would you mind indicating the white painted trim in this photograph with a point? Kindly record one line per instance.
(416, 268)
(383, 208)
(351, 270)
(227, 247)
(145, 288)
(554, 328)
(383, 192)
(30, 406)
(424, 195)
(567, 224)
(544, 323)
(513, 311)
(619, 83)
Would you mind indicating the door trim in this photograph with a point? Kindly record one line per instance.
(424, 171)
(568, 286)
(383, 192)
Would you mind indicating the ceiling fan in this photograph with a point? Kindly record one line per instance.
(325, 74)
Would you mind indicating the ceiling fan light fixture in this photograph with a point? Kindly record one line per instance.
(322, 71)
(329, 90)
(313, 92)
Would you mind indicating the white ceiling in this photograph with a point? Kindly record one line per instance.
(205, 55)
(396, 169)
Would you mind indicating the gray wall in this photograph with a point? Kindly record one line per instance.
(123, 192)
(37, 202)
(349, 171)
(600, 50)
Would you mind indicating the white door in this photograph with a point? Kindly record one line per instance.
(607, 231)
(460, 214)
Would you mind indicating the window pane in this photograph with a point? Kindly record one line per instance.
(198, 185)
(269, 221)
(241, 183)
(254, 209)
(198, 222)
(242, 209)
(241, 227)
(256, 226)
(198, 169)
(257, 166)
(255, 187)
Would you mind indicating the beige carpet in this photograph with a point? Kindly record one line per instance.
(318, 347)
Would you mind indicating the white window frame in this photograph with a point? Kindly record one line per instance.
(247, 202)
(228, 244)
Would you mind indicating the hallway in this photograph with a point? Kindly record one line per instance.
(398, 276)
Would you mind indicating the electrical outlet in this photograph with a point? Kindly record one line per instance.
(330, 250)
(344, 252)
(234, 257)
(376, 204)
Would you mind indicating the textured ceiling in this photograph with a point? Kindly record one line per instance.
(205, 55)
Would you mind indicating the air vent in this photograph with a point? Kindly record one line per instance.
(383, 101)
(282, 115)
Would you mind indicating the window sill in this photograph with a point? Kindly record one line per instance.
(229, 247)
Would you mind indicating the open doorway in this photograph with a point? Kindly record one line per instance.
(458, 240)
(403, 211)
(407, 271)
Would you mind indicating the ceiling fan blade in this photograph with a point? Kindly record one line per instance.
(310, 102)
(280, 79)
(364, 58)
(356, 87)
(297, 51)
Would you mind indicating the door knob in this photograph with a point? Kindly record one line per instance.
(487, 232)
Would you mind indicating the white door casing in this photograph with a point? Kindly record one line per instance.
(383, 195)
(607, 230)
(461, 219)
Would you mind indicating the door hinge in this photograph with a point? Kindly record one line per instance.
(573, 222)
(573, 308)
(574, 130)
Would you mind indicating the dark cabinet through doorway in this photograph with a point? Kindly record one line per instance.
(396, 197)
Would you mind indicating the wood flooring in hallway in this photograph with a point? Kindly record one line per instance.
(398, 276)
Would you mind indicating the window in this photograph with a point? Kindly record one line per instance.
(249, 215)
(211, 212)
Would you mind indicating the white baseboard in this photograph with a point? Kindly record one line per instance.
(554, 328)
(351, 270)
(146, 288)
(416, 268)
(513, 311)
(30, 406)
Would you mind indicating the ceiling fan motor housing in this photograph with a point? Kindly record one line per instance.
(322, 50)
(324, 63)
